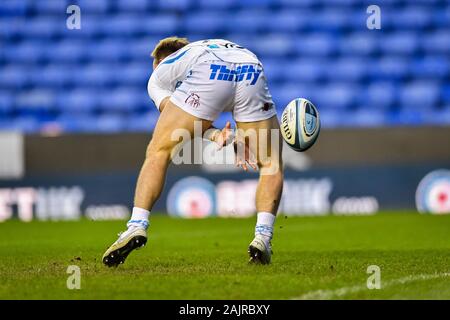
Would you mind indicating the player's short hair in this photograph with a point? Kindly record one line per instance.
(168, 46)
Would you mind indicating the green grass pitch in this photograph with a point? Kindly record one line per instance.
(314, 257)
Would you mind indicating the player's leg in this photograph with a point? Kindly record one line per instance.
(254, 111)
(266, 144)
(152, 176)
(197, 98)
(151, 179)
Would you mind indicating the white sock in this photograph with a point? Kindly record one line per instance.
(139, 218)
(264, 225)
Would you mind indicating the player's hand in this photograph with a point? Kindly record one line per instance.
(244, 157)
(225, 136)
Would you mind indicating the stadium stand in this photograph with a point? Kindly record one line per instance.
(95, 79)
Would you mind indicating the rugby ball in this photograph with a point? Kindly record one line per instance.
(300, 124)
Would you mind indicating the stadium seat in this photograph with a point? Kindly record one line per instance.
(445, 93)
(284, 94)
(27, 124)
(255, 3)
(288, 21)
(419, 95)
(437, 42)
(163, 24)
(48, 6)
(335, 96)
(440, 117)
(273, 45)
(180, 5)
(27, 52)
(142, 122)
(346, 69)
(364, 118)
(328, 20)
(378, 96)
(307, 69)
(99, 75)
(315, 44)
(441, 17)
(247, 21)
(124, 24)
(411, 17)
(43, 26)
(296, 3)
(136, 74)
(13, 77)
(72, 50)
(53, 75)
(11, 27)
(78, 101)
(400, 43)
(141, 48)
(35, 100)
(223, 5)
(122, 99)
(433, 67)
(359, 43)
(78, 122)
(389, 67)
(6, 102)
(406, 117)
(135, 5)
(13, 7)
(212, 22)
(109, 50)
(97, 6)
(275, 70)
(110, 123)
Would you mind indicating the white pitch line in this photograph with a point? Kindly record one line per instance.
(328, 294)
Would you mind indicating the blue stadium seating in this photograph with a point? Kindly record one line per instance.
(446, 94)
(381, 95)
(212, 21)
(421, 95)
(98, 6)
(437, 42)
(95, 78)
(13, 77)
(6, 102)
(361, 43)
(53, 76)
(78, 101)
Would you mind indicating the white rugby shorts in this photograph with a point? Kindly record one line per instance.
(213, 87)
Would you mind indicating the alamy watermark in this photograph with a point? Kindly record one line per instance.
(374, 19)
(74, 280)
(74, 20)
(374, 280)
(257, 147)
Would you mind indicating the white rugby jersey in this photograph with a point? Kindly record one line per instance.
(173, 69)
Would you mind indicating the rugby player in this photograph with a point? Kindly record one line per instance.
(197, 82)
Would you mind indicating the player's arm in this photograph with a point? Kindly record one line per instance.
(220, 137)
(243, 155)
(158, 92)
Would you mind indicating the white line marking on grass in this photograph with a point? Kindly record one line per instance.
(329, 294)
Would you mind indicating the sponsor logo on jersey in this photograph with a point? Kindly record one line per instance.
(241, 73)
(193, 100)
